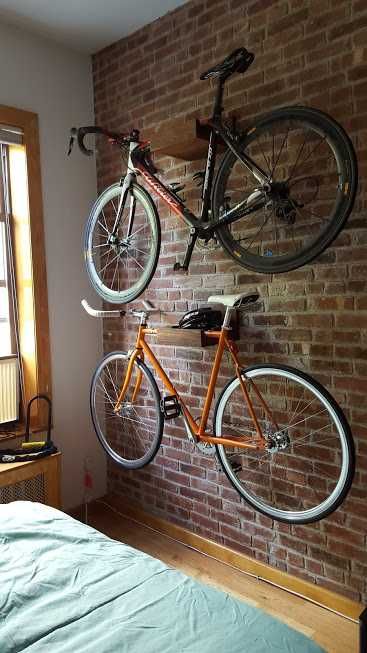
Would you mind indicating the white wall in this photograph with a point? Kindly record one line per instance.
(55, 83)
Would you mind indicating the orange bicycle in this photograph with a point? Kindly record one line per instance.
(280, 437)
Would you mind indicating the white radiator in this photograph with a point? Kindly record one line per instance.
(9, 389)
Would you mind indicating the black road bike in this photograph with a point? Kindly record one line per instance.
(282, 192)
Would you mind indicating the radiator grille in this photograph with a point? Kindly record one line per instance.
(32, 489)
(9, 389)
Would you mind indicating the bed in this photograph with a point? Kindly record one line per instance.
(65, 587)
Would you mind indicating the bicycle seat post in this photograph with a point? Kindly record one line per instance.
(144, 315)
(227, 317)
(218, 102)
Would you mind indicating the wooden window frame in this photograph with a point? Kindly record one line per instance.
(37, 375)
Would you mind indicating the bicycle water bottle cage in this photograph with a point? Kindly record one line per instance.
(176, 188)
(170, 407)
(199, 177)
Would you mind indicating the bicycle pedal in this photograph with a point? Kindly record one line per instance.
(170, 407)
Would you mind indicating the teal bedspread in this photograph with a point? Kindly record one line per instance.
(65, 588)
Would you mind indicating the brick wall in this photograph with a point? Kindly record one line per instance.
(310, 52)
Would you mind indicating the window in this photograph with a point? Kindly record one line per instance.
(7, 323)
(23, 287)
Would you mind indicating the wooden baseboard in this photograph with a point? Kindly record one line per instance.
(321, 596)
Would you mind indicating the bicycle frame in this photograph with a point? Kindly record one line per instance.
(200, 224)
(198, 431)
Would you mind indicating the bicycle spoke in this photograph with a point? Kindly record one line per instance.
(140, 250)
(264, 157)
(105, 253)
(313, 213)
(103, 245)
(298, 157)
(109, 263)
(280, 151)
(106, 393)
(266, 220)
(114, 274)
(302, 421)
(298, 440)
(275, 230)
(312, 152)
(104, 228)
(303, 409)
(104, 219)
(134, 259)
(113, 383)
(137, 231)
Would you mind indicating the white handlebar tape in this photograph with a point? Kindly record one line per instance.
(94, 313)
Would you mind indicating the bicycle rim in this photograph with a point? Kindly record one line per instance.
(309, 468)
(131, 436)
(313, 169)
(120, 269)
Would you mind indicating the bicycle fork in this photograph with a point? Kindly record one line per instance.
(127, 380)
(126, 184)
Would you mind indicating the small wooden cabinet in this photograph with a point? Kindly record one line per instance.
(38, 480)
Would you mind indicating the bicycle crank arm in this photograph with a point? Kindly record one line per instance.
(190, 246)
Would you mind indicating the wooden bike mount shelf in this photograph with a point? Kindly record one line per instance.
(181, 138)
(171, 335)
(184, 337)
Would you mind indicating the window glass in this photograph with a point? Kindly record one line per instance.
(6, 325)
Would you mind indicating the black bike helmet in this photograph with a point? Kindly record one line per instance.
(201, 318)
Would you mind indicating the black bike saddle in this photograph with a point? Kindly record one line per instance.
(237, 62)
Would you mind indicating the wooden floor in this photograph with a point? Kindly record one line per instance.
(334, 633)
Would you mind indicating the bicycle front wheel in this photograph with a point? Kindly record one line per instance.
(312, 171)
(307, 468)
(131, 436)
(121, 265)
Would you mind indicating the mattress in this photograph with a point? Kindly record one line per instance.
(65, 587)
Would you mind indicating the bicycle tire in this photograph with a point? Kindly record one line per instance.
(129, 293)
(346, 161)
(151, 398)
(266, 478)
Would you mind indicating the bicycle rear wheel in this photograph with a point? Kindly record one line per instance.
(132, 436)
(121, 267)
(308, 467)
(313, 171)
